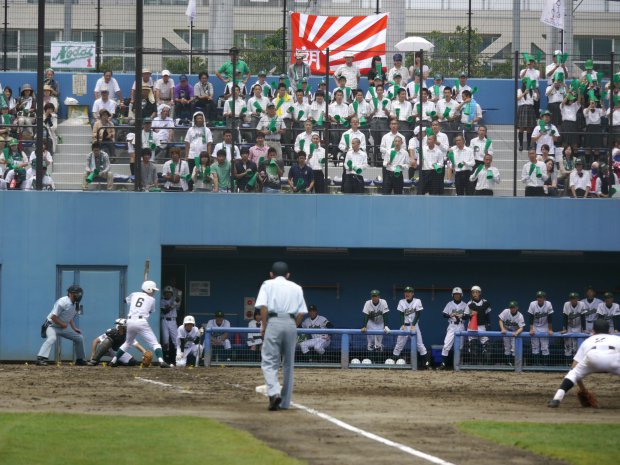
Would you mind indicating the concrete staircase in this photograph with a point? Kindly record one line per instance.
(70, 156)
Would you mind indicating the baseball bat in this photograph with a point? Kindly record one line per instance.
(147, 266)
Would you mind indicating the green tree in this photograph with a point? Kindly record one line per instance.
(264, 53)
(180, 65)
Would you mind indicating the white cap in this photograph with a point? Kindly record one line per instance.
(131, 137)
(146, 70)
(349, 55)
(189, 320)
(457, 290)
(475, 288)
(557, 52)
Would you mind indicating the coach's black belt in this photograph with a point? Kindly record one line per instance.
(167, 319)
(274, 314)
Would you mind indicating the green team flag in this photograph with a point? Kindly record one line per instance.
(280, 103)
(244, 109)
(299, 85)
(532, 168)
(373, 92)
(538, 173)
(559, 77)
(538, 56)
(592, 96)
(437, 168)
(91, 177)
(436, 90)
(416, 88)
(612, 191)
(397, 111)
(378, 69)
(347, 93)
(362, 121)
(532, 85)
(432, 114)
(290, 109)
(541, 125)
(261, 160)
(272, 168)
(397, 171)
(347, 140)
(446, 113)
(272, 124)
(589, 78)
(489, 174)
(526, 57)
(474, 90)
(457, 86)
(355, 105)
(487, 145)
(599, 77)
(410, 119)
(198, 166)
(187, 177)
(478, 170)
(563, 57)
(259, 109)
(252, 181)
(302, 142)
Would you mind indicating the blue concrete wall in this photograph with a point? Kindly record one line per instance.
(495, 95)
(42, 230)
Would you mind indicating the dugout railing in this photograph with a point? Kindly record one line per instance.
(470, 353)
(348, 348)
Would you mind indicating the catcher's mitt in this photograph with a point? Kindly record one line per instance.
(587, 399)
(147, 358)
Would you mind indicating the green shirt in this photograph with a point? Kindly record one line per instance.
(227, 68)
(223, 174)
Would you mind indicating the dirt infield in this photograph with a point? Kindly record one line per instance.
(417, 409)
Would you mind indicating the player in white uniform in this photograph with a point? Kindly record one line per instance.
(168, 308)
(456, 311)
(410, 310)
(610, 312)
(220, 339)
(599, 353)
(511, 320)
(255, 341)
(188, 350)
(141, 305)
(375, 318)
(318, 342)
(574, 322)
(482, 309)
(590, 303)
(540, 322)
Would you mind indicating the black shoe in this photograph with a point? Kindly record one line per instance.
(41, 361)
(553, 403)
(163, 365)
(274, 402)
(114, 364)
(92, 363)
(442, 367)
(80, 362)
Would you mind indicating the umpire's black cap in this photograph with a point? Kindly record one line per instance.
(279, 268)
(600, 326)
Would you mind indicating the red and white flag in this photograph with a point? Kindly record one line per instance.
(364, 36)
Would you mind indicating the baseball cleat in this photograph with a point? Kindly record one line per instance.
(274, 402)
(92, 363)
(41, 361)
(442, 367)
(553, 403)
(163, 365)
(80, 362)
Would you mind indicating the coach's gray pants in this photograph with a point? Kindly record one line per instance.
(279, 344)
(53, 333)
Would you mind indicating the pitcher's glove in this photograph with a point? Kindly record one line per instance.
(587, 399)
(147, 358)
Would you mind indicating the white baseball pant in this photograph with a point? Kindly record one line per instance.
(509, 345)
(226, 343)
(596, 361)
(570, 344)
(139, 327)
(169, 332)
(402, 340)
(319, 345)
(448, 342)
(375, 342)
(483, 339)
(540, 344)
(190, 349)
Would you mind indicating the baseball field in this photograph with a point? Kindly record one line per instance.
(78, 415)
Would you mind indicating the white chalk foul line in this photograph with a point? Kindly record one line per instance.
(403, 448)
(159, 383)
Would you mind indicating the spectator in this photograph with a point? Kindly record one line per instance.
(376, 73)
(47, 158)
(551, 184)
(259, 150)
(380, 122)
(349, 70)
(204, 97)
(316, 161)
(197, 139)
(26, 111)
(6, 120)
(338, 113)
(398, 68)
(481, 145)
(10, 100)
(111, 84)
(148, 171)
(317, 110)
(304, 139)
(395, 162)
(448, 114)
(201, 174)
(298, 70)
(402, 110)
(614, 124)
(221, 172)
(48, 97)
(580, 183)
(219, 337)
(594, 129)
(540, 315)
(97, 166)
(257, 105)
(436, 92)
(589, 71)
(183, 98)
(556, 92)
(526, 114)
(359, 108)
(272, 127)
(395, 86)
(375, 318)
(50, 123)
(300, 176)
(52, 83)
(241, 109)
(103, 132)
(485, 177)
(570, 129)
(355, 162)
(510, 319)
(545, 133)
(607, 183)
(460, 86)
(425, 110)
(13, 157)
(245, 172)
(175, 172)
(345, 143)
(471, 114)
(534, 175)
(225, 73)
(556, 69)
(414, 88)
(147, 82)
(566, 165)
(347, 92)
(270, 171)
(300, 112)
(462, 162)
(546, 155)
(227, 145)
(267, 91)
(103, 102)
(164, 89)
(387, 141)
(530, 71)
(149, 108)
(431, 174)
(418, 60)
(163, 131)
(318, 342)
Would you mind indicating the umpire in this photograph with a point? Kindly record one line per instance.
(282, 306)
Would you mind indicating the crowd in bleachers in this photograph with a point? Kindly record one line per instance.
(418, 133)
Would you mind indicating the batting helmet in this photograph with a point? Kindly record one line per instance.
(149, 286)
(168, 289)
(457, 290)
(189, 320)
(475, 288)
(120, 322)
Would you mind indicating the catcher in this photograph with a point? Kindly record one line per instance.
(600, 353)
(110, 341)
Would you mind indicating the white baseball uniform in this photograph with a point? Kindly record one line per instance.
(318, 342)
(254, 339)
(512, 323)
(375, 321)
(599, 353)
(540, 321)
(411, 311)
(590, 311)
(216, 338)
(573, 317)
(460, 311)
(141, 305)
(190, 344)
(168, 312)
(608, 313)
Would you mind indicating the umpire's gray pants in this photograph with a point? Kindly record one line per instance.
(53, 333)
(279, 344)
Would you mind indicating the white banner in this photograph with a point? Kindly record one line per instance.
(74, 55)
(553, 13)
(190, 12)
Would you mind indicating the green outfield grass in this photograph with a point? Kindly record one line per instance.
(52, 438)
(577, 444)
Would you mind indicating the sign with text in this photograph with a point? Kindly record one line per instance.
(74, 55)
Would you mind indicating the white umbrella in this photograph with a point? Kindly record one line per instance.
(414, 44)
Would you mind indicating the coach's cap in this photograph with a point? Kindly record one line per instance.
(279, 268)
(513, 304)
(165, 73)
(476, 288)
(219, 314)
(395, 75)
(609, 295)
(312, 307)
(262, 72)
(409, 289)
(183, 77)
(375, 292)
(541, 294)
(463, 74)
(600, 326)
(573, 295)
(398, 57)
